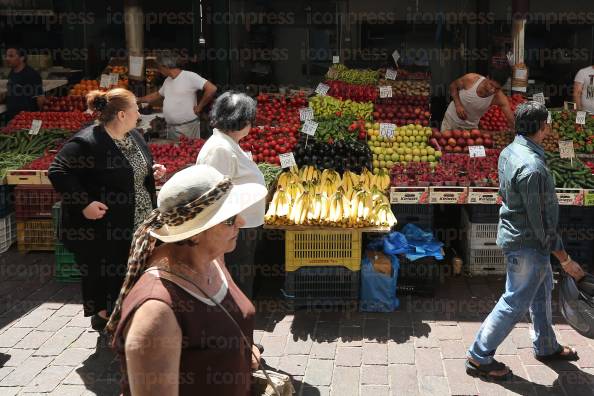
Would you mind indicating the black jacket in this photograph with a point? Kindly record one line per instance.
(88, 168)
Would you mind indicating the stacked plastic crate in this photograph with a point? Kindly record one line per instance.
(479, 235)
(33, 208)
(7, 218)
(66, 269)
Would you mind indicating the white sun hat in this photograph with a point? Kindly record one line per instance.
(189, 184)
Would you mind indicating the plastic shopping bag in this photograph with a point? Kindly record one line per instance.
(378, 290)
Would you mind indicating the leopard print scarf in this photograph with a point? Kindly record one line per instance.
(143, 242)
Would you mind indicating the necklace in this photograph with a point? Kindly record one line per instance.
(208, 277)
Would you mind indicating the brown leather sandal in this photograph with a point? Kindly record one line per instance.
(485, 370)
(559, 355)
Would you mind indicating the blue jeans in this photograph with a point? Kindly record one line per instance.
(528, 288)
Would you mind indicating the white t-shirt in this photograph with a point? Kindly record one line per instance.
(180, 96)
(586, 77)
(222, 153)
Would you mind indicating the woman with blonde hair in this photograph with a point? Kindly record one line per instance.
(106, 177)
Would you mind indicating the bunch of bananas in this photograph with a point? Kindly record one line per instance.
(307, 196)
(326, 107)
(352, 76)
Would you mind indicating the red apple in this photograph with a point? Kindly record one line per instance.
(442, 142)
(461, 141)
(475, 133)
(479, 141)
(451, 142)
(457, 149)
(436, 134)
(469, 142)
(466, 134)
(457, 133)
(447, 134)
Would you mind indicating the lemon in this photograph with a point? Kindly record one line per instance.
(416, 158)
(375, 164)
(416, 151)
(423, 158)
(423, 151)
(408, 157)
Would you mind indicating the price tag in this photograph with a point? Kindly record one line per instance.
(114, 78)
(387, 130)
(35, 127)
(476, 151)
(335, 59)
(249, 155)
(566, 149)
(385, 91)
(396, 56)
(135, 66)
(309, 127)
(306, 113)
(391, 74)
(539, 97)
(322, 89)
(549, 118)
(287, 160)
(580, 118)
(105, 80)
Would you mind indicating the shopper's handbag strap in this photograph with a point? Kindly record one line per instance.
(245, 339)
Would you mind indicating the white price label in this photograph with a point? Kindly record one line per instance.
(476, 151)
(35, 127)
(566, 149)
(135, 66)
(385, 91)
(322, 89)
(539, 97)
(391, 74)
(249, 155)
(580, 118)
(105, 80)
(549, 118)
(287, 160)
(309, 127)
(387, 130)
(335, 59)
(396, 56)
(306, 113)
(114, 78)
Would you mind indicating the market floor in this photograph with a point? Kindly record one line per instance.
(47, 347)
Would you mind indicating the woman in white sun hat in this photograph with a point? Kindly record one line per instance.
(171, 322)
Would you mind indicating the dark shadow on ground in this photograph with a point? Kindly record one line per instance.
(100, 373)
(4, 358)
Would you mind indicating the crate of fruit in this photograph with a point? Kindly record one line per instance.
(8, 232)
(483, 195)
(448, 195)
(23, 176)
(66, 268)
(409, 195)
(322, 286)
(35, 235)
(34, 201)
(588, 197)
(570, 196)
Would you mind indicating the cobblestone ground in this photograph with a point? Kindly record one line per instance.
(47, 346)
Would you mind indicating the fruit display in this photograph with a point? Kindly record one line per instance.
(340, 128)
(307, 196)
(408, 88)
(339, 155)
(328, 107)
(274, 109)
(563, 122)
(68, 120)
(352, 76)
(458, 140)
(270, 173)
(65, 103)
(358, 93)
(176, 156)
(494, 119)
(569, 174)
(84, 87)
(121, 70)
(410, 143)
(267, 142)
(407, 75)
(401, 114)
(501, 139)
(551, 141)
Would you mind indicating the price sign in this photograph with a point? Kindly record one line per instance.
(335, 59)
(287, 160)
(249, 155)
(387, 130)
(105, 81)
(549, 118)
(35, 127)
(539, 97)
(309, 127)
(391, 74)
(135, 66)
(114, 78)
(306, 113)
(580, 118)
(322, 89)
(566, 149)
(476, 151)
(385, 91)
(396, 56)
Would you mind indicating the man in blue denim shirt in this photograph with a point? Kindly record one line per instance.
(527, 233)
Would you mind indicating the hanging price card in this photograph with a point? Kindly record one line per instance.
(35, 127)
(566, 149)
(580, 118)
(539, 97)
(387, 130)
(385, 91)
(105, 81)
(309, 127)
(391, 74)
(322, 89)
(335, 59)
(306, 113)
(114, 78)
(476, 151)
(135, 66)
(287, 160)
(549, 118)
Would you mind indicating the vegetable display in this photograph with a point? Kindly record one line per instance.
(21, 142)
(358, 93)
(494, 119)
(339, 155)
(563, 123)
(176, 156)
(12, 160)
(279, 109)
(69, 120)
(266, 142)
(352, 76)
(569, 174)
(328, 107)
(65, 103)
(270, 173)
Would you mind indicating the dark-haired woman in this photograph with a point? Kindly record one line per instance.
(232, 116)
(106, 176)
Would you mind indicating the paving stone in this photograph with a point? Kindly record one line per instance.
(35, 317)
(376, 330)
(298, 347)
(17, 356)
(87, 339)
(258, 334)
(12, 336)
(428, 362)
(434, 386)
(521, 337)
(374, 375)
(59, 341)
(294, 364)
(282, 329)
(447, 332)
(69, 390)
(469, 330)
(28, 370)
(375, 353)
(403, 380)
(490, 388)
(571, 337)
(401, 353)
(375, 390)
(401, 334)
(80, 321)
(319, 372)
(327, 331)
(460, 382)
(452, 349)
(54, 323)
(349, 356)
(576, 383)
(323, 350)
(546, 377)
(273, 345)
(586, 354)
(48, 379)
(72, 357)
(429, 340)
(315, 391)
(4, 371)
(508, 347)
(345, 381)
(69, 310)
(351, 336)
(34, 340)
(10, 391)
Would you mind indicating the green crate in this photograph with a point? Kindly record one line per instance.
(66, 269)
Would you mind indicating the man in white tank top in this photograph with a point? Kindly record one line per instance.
(472, 95)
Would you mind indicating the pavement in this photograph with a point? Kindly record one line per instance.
(47, 346)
